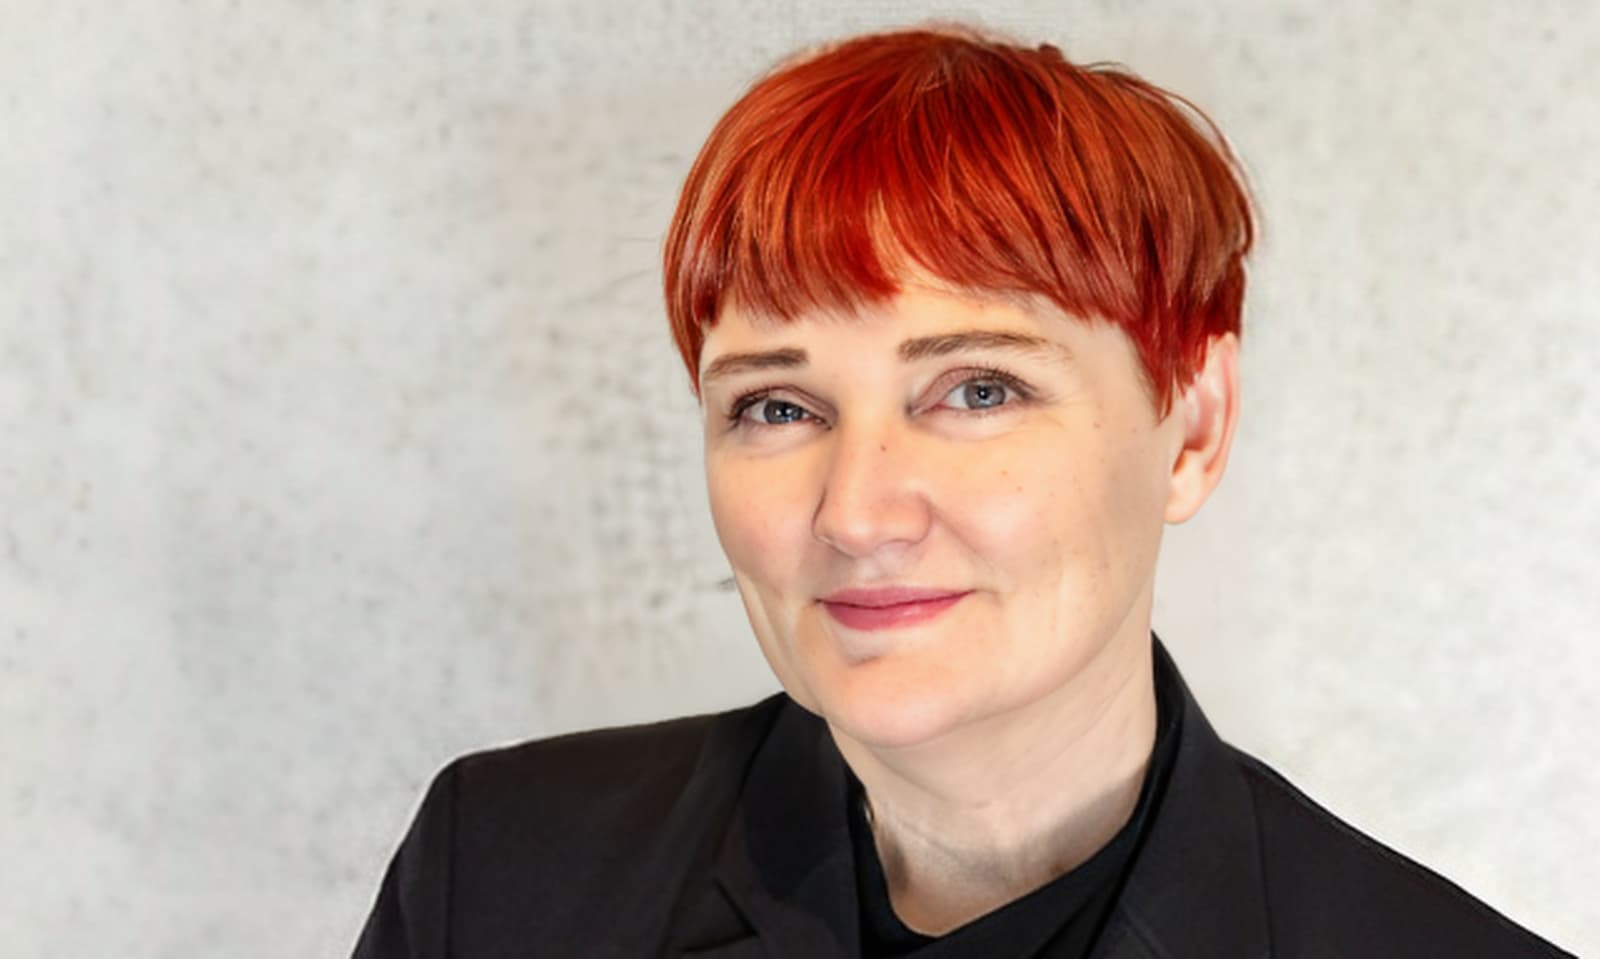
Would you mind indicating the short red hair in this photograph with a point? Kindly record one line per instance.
(993, 167)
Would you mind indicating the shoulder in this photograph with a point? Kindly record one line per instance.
(553, 838)
(1332, 890)
(605, 777)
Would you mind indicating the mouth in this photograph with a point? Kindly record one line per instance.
(889, 607)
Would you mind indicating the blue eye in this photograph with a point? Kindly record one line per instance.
(978, 395)
(766, 411)
(779, 412)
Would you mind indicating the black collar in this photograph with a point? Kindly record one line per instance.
(1197, 887)
(786, 863)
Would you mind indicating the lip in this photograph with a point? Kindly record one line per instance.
(889, 607)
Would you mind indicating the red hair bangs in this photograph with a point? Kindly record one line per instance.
(992, 167)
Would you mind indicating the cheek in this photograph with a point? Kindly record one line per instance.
(1024, 507)
(759, 514)
(1112, 509)
(1009, 518)
(762, 523)
(1056, 516)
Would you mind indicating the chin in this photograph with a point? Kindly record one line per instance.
(892, 701)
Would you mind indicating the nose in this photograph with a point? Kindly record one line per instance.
(874, 491)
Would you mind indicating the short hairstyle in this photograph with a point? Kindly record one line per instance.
(992, 167)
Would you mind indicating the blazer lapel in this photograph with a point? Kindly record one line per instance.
(785, 865)
(1196, 889)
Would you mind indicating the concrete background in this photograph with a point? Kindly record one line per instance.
(340, 432)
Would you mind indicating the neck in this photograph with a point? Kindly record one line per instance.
(990, 812)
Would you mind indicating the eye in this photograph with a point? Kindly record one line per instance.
(983, 393)
(768, 411)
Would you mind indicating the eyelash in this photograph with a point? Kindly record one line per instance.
(971, 374)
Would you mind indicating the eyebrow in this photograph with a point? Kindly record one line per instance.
(920, 348)
(787, 358)
(946, 343)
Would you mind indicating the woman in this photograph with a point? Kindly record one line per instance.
(963, 318)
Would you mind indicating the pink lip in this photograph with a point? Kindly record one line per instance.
(889, 607)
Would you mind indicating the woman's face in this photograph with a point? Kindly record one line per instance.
(938, 511)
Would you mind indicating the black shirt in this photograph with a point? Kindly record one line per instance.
(1066, 913)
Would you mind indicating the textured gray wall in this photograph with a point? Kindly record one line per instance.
(341, 432)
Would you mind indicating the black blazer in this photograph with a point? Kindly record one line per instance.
(679, 839)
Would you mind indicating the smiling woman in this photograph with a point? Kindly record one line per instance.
(955, 447)
(964, 322)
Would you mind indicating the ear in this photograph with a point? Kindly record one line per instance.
(1207, 412)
